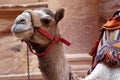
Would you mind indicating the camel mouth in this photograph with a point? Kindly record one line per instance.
(20, 29)
(19, 32)
(23, 35)
(38, 48)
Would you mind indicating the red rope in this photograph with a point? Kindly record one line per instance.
(54, 40)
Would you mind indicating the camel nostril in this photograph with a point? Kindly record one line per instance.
(22, 21)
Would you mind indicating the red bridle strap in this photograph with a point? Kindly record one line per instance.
(52, 38)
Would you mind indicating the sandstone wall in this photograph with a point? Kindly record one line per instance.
(13, 58)
(17, 1)
(107, 8)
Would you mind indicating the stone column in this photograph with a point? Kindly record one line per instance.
(80, 24)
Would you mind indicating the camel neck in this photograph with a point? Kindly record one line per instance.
(53, 65)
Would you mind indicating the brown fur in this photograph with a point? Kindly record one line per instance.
(53, 65)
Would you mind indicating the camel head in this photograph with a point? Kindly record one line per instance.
(44, 18)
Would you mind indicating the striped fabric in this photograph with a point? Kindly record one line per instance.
(109, 48)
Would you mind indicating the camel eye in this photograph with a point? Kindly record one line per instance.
(46, 20)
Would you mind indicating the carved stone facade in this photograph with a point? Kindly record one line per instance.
(19, 1)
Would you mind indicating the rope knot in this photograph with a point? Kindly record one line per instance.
(57, 38)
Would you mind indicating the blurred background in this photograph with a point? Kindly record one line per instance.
(80, 26)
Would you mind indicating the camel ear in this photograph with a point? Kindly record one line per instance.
(59, 14)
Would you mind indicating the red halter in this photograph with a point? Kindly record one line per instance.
(51, 37)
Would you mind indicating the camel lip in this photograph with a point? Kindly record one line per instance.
(21, 35)
(21, 31)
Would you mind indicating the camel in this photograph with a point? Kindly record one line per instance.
(106, 52)
(38, 29)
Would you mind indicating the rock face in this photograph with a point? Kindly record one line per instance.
(107, 8)
(17, 1)
(13, 57)
(80, 24)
